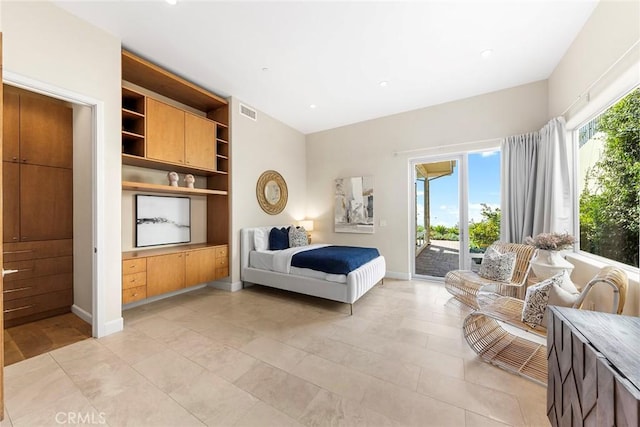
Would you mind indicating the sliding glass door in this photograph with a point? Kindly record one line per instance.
(456, 211)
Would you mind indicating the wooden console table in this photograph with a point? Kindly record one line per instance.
(594, 368)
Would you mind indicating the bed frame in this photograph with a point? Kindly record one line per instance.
(358, 283)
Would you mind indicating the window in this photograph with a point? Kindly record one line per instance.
(609, 182)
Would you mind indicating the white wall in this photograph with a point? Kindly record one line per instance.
(367, 148)
(598, 55)
(47, 44)
(611, 30)
(257, 146)
(82, 202)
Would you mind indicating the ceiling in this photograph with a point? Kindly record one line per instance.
(284, 57)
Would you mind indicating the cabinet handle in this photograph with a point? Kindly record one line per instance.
(132, 266)
(24, 160)
(18, 252)
(135, 295)
(18, 308)
(8, 291)
(7, 272)
(15, 158)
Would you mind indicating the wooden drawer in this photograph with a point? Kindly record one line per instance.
(135, 265)
(22, 307)
(222, 272)
(35, 250)
(222, 262)
(28, 287)
(134, 280)
(38, 268)
(134, 294)
(222, 251)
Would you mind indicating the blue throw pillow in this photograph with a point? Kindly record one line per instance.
(278, 239)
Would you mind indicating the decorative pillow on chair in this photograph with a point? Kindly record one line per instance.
(297, 237)
(278, 239)
(497, 266)
(552, 291)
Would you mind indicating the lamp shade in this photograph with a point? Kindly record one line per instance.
(307, 224)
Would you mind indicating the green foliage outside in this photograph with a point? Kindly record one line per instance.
(481, 234)
(484, 233)
(442, 232)
(609, 204)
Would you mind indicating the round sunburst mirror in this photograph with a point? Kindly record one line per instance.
(271, 192)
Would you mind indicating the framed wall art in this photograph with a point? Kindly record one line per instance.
(162, 220)
(354, 205)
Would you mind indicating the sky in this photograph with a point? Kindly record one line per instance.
(484, 187)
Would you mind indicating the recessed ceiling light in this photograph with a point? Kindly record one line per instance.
(265, 69)
(486, 53)
(384, 83)
(172, 2)
(312, 106)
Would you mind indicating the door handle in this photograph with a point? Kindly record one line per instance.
(6, 272)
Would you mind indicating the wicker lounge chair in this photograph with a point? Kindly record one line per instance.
(464, 284)
(523, 354)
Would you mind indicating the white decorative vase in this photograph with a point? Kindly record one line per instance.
(548, 263)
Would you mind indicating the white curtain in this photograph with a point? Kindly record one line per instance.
(536, 186)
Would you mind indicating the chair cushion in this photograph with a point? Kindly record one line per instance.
(497, 266)
(552, 291)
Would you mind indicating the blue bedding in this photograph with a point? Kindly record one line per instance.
(334, 259)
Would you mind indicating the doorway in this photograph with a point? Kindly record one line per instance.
(456, 211)
(46, 167)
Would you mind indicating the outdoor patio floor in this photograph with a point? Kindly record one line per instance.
(438, 258)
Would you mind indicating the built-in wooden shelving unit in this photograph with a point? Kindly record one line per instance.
(158, 188)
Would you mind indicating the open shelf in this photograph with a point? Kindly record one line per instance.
(133, 160)
(158, 188)
(143, 73)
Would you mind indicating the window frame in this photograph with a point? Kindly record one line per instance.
(575, 145)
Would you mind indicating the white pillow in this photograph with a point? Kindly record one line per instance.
(261, 238)
(557, 290)
(497, 266)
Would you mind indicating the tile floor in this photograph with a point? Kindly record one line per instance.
(261, 357)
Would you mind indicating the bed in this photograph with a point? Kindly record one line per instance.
(257, 267)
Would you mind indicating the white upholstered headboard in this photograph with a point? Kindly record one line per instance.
(247, 245)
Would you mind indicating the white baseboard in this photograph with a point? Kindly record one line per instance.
(397, 275)
(226, 286)
(111, 327)
(83, 314)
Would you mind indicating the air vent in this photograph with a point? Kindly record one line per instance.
(248, 112)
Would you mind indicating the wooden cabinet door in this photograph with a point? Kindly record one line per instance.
(199, 142)
(11, 202)
(165, 273)
(200, 266)
(46, 203)
(46, 132)
(11, 127)
(165, 132)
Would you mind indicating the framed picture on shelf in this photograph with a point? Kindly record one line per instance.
(162, 220)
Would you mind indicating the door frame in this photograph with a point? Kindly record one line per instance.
(98, 315)
(463, 196)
